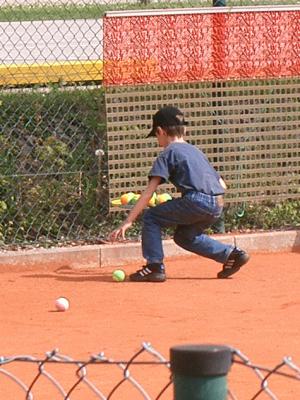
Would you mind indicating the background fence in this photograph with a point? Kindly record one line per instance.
(54, 182)
(104, 378)
(251, 136)
(224, 69)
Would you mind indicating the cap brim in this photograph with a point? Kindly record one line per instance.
(152, 133)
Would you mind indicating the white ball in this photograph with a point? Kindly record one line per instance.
(99, 153)
(62, 304)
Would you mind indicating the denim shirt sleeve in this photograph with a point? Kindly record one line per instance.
(161, 168)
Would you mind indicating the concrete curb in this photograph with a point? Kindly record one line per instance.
(108, 255)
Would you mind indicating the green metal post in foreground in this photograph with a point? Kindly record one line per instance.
(200, 371)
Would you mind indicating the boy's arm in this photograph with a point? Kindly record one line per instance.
(137, 209)
(222, 183)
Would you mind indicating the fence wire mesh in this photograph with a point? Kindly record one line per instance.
(50, 165)
(61, 377)
(53, 176)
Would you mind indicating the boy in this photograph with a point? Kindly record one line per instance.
(199, 207)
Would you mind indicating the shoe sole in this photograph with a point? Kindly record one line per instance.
(153, 278)
(225, 273)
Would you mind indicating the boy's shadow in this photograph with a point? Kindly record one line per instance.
(67, 274)
(192, 278)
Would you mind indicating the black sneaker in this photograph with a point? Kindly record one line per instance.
(149, 273)
(236, 259)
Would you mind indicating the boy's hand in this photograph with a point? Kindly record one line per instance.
(119, 233)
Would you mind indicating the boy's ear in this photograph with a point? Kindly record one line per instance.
(160, 131)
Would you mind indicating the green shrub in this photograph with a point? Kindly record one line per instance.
(263, 216)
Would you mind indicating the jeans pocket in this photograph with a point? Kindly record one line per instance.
(205, 204)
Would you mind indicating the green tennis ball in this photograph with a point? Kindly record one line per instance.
(119, 275)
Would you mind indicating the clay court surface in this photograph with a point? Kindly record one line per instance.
(257, 312)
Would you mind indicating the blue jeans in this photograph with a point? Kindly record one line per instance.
(191, 215)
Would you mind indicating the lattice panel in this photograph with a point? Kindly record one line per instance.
(250, 131)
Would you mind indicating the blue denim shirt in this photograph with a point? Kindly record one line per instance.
(187, 168)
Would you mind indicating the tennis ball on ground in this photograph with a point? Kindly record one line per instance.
(119, 275)
(162, 198)
(126, 198)
(62, 304)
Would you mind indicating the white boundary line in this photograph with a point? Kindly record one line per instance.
(203, 10)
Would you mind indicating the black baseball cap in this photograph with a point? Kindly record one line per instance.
(165, 117)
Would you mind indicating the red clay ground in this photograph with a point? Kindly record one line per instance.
(257, 312)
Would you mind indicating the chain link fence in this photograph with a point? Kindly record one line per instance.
(53, 146)
(49, 182)
(102, 377)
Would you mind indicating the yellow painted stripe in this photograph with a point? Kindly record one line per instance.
(65, 71)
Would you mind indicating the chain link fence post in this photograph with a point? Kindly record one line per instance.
(199, 371)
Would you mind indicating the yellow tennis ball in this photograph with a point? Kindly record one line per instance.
(152, 201)
(127, 197)
(135, 199)
(119, 275)
(162, 198)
